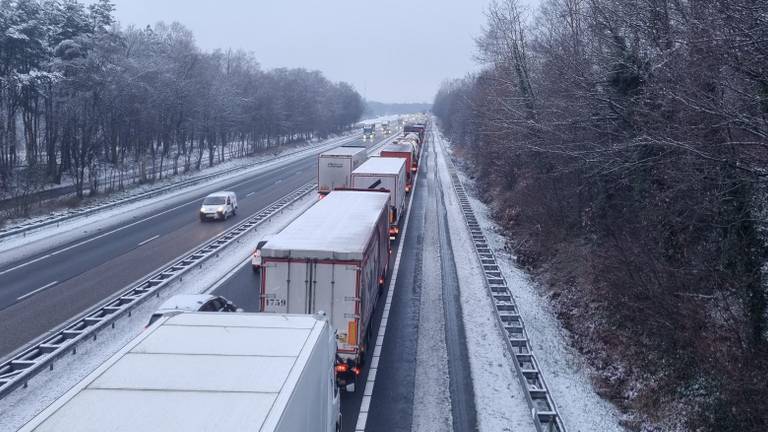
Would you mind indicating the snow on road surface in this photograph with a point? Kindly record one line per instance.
(498, 392)
(432, 396)
(21, 405)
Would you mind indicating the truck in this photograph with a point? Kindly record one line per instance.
(406, 151)
(385, 129)
(334, 167)
(333, 258)
(418, 128)
(205, 371)
(388, 174)
(413, 140)
(369, 132)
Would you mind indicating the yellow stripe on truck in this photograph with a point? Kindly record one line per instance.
(352, 333)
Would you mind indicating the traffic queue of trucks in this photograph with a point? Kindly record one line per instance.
(279, 370)
(332, 258)
(335, 256)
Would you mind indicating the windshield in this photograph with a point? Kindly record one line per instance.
(214, 200)
(154, 318)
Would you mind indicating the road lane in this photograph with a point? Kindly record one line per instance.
(243, 288)
(89, 271)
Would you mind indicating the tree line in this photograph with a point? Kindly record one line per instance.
(82, 98)
(623, 144)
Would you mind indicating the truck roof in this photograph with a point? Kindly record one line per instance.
(343, 151)
(193, 372)
(337, 227)
(398, 148)
(381, 165)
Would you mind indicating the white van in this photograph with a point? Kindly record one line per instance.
(219, 205)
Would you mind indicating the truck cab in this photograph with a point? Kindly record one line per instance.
(369, 132)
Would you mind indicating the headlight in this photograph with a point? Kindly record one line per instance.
(221, 209)
(202, 209)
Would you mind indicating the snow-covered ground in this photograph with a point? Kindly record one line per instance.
(499, 397)
(21, 405)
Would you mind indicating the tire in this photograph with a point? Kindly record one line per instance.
(234, 212)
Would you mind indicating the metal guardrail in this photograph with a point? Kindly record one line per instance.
(17, 370)
(543, 409)
(104, 205)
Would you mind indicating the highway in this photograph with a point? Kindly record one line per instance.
(392, 404)
(41, 292)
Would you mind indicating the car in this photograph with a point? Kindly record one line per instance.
(193, 303)
(219, 205)
(256, 257)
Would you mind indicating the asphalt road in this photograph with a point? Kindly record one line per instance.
(392, 402)
(44, 291)
(243, 288)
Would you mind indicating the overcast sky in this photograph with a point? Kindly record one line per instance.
(391, 51)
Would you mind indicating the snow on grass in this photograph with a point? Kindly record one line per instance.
(566, 373)
(23, 404)
(45, 239)
(499, 399)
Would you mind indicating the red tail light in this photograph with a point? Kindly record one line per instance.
(356, 370)
(341, 368)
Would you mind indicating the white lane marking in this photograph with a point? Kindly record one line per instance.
(46, 256)
(278, 181)
(249, 194)
(95, 238)
(31, 293)
(362, 417)
(149, 240)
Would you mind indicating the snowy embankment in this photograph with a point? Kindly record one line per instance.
(43, 240)
(499, 397)
(21, 405)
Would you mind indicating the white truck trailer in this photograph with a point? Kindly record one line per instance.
(388, 174)
(206, 371)
(332, 258)
(334, 167)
